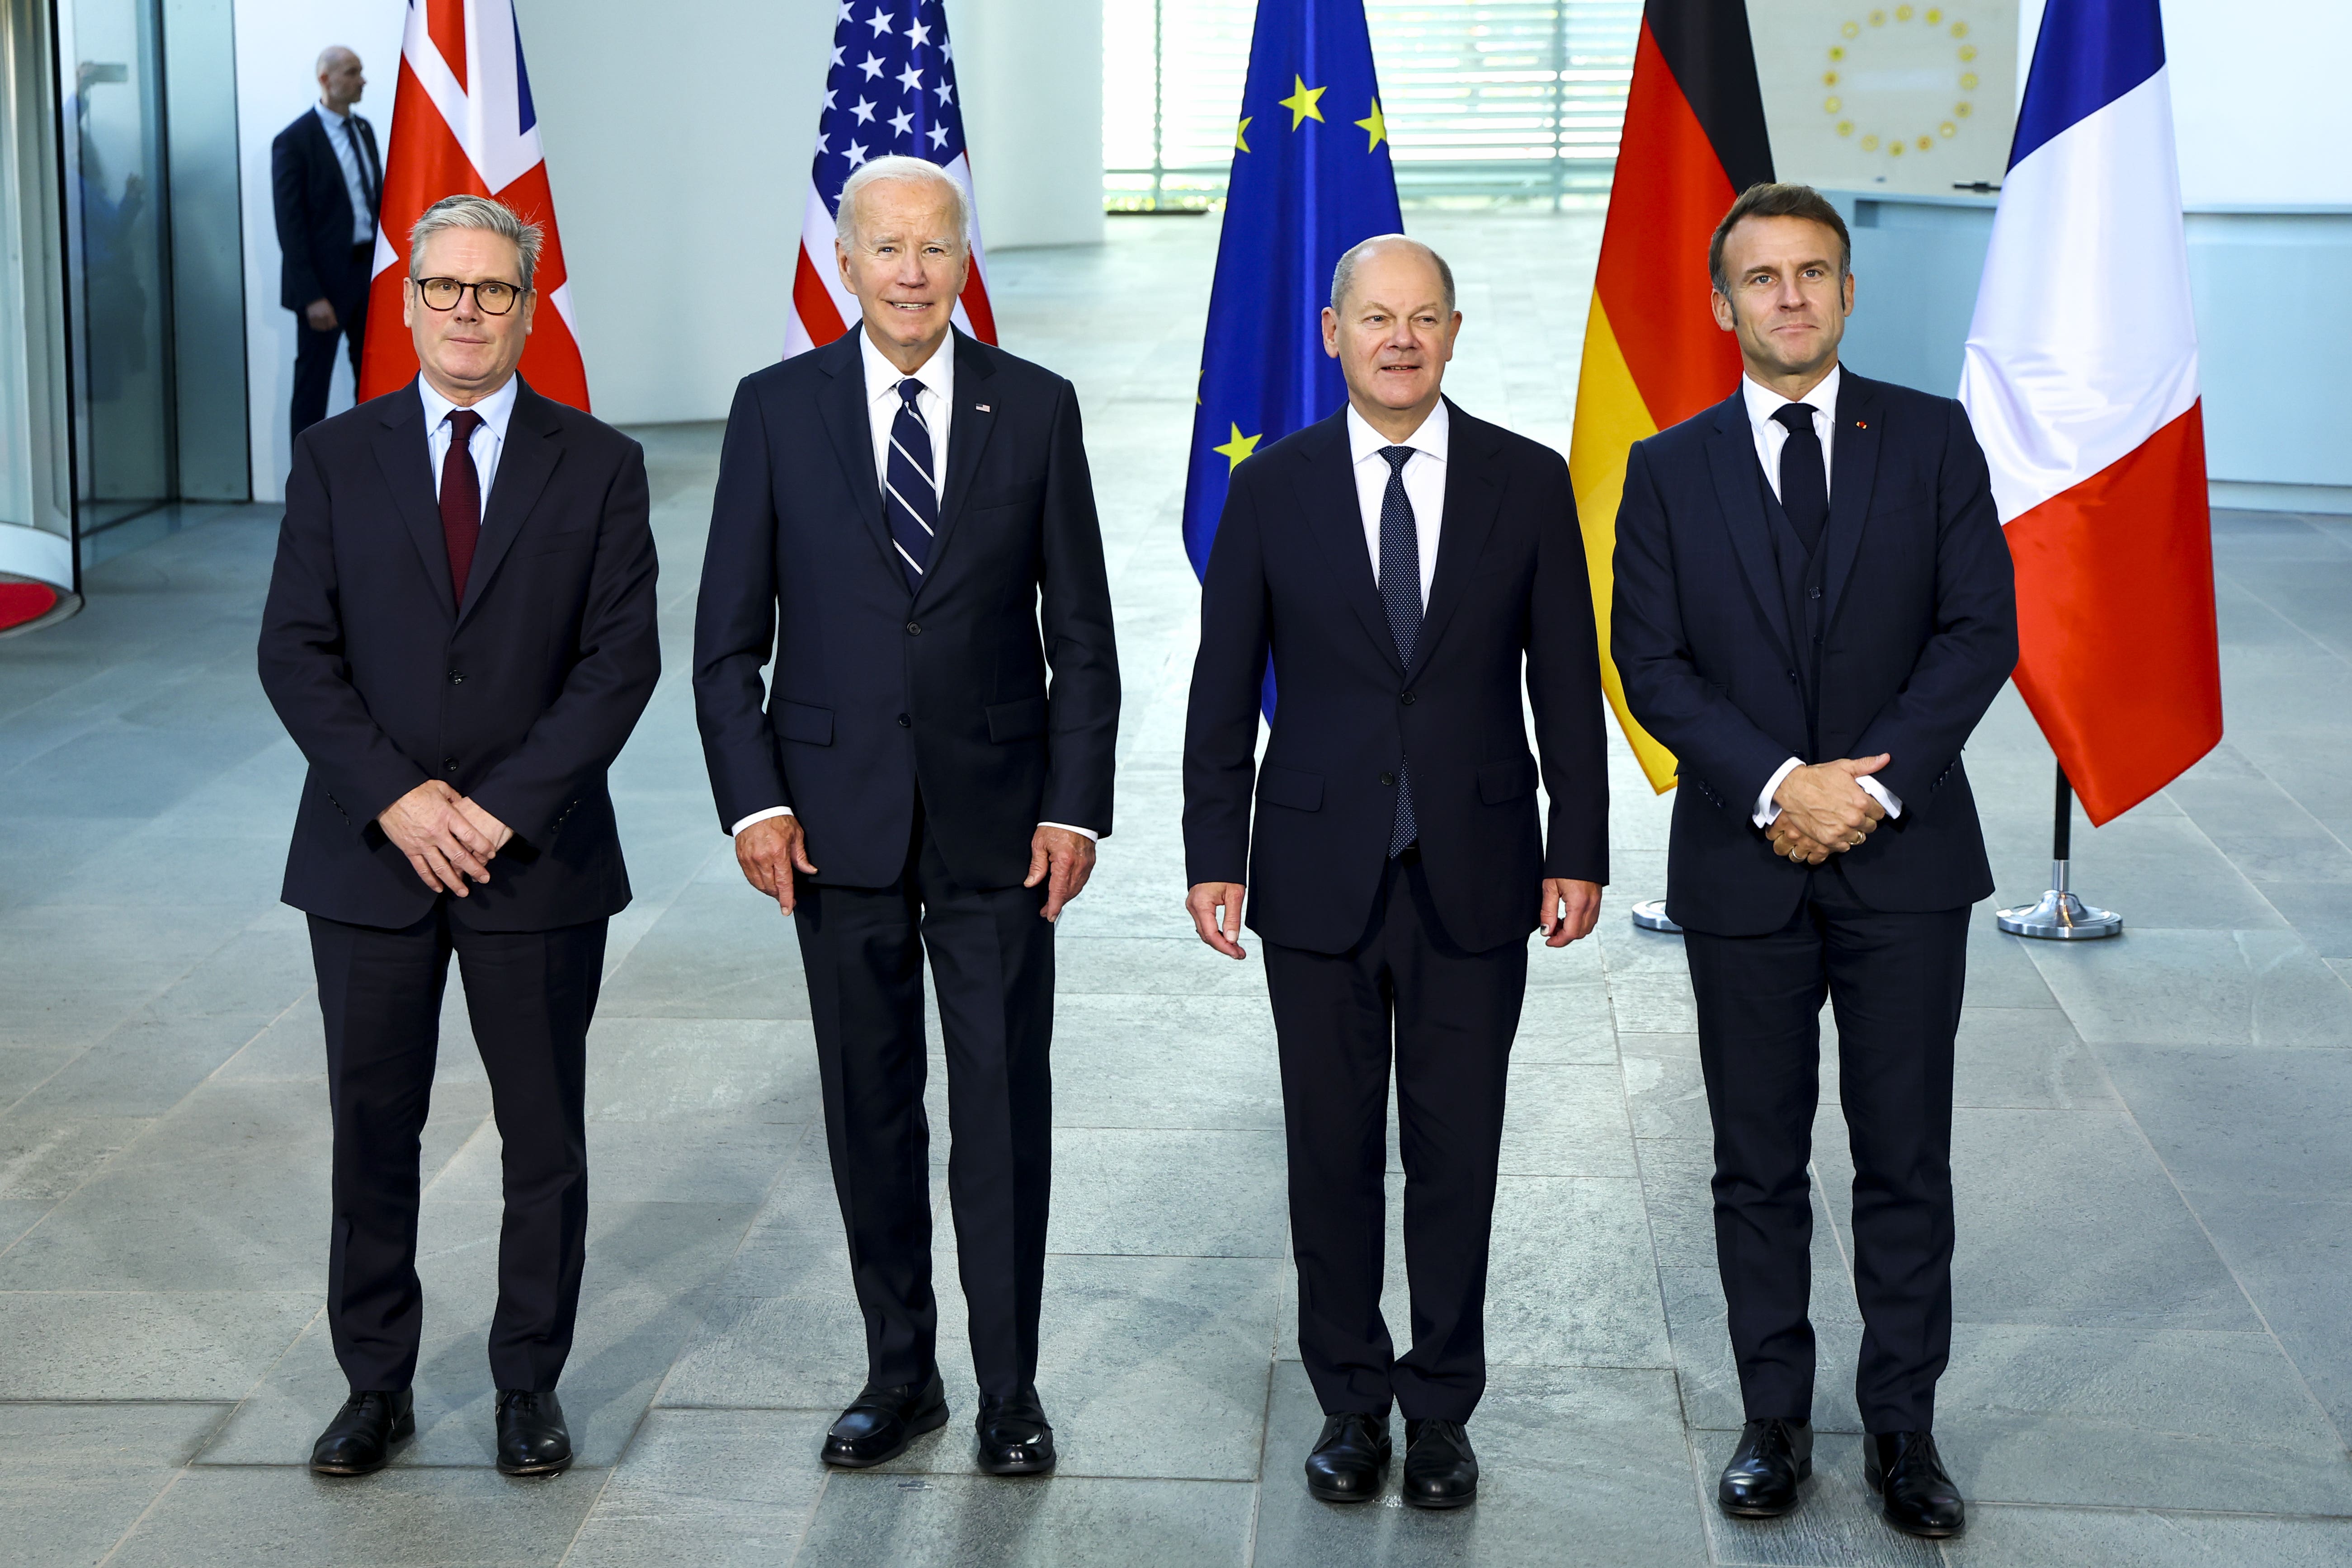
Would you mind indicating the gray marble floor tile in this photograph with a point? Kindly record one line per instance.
(146, 1066)
(2199, 987)
(1168, 1193)
(1838, 1525)
(145, 1344)
(720, 1489)
(713, 1160)
(720, 951)
(1576, 1466)
(692, 1070)
(1665, 1093)
(45, 1154)
(2028, 1058)
(1571, 1280)
(1129, 1059)
(2009, 1537)
(1654, 1002)
(2291, 1254)
(1562, 1121)
(1155, 966)
(1570, 1025)
(2239, 1120)
(977, 1521)
(74, 1477)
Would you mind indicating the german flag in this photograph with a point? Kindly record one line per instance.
(1694, 137)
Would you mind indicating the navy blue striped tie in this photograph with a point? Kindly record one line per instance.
(1401, 592)
(911, 502)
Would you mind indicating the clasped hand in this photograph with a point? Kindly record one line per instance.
(446, 838)
(1824, 810)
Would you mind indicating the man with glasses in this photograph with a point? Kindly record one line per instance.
(460, 635)
(327, 179)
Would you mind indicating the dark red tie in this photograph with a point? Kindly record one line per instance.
(461, 498)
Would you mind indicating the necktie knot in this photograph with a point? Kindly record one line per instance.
(463, 423)
(909, 389)
(1795, 417)
(1398, 457)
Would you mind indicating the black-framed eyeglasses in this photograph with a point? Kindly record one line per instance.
(494, 298)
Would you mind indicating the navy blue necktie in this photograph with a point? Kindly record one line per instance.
(1401, 592)
(1804, 480)
(911, 502)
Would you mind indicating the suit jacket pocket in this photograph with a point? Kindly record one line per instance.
(800, 722)
(1016, 721)
(1290, 787)
(1499, 782)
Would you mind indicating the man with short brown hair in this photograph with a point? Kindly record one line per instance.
(1813, 610)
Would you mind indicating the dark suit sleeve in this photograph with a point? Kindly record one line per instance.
(616, 664)
(1082, 708)
(1696, 720)
(303, 670)
(288, 176)
(1973, 646)
(1564, 689)
(1228, 672)
(735, 623)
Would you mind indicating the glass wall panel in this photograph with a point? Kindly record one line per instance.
(34, 491)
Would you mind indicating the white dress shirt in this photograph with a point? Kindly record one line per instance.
(882, 403)
(489, 437)
(342, 135)
(1771, 436)
(1424, 484)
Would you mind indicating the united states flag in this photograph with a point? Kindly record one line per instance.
(891, 90)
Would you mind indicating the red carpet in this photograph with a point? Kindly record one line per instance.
(21, 602)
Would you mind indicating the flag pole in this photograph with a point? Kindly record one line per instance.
(2059, 915)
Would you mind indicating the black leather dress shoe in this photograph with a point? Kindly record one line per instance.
(1761, 1480)
(882, 1420)
(1015, 1439)
(1915, 1495)
(532, 1438)
(1349, 1458)
(1440, 1470)
(360, 1438)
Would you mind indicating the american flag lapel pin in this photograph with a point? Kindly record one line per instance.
(982, 409)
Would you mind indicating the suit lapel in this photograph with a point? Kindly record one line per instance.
(1854, 470)
(840, 403)
(1326, 495)
(1471, 499)
(1731, 460)
(968, 433)
(402, 454)
(525, 462)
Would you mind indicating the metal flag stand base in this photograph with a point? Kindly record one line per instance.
(2058, 915)
(1650, 914)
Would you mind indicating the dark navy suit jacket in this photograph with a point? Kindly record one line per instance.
(314, 214)
(1290, 575)
(1918, 632)
(521, 698)
(876, 691)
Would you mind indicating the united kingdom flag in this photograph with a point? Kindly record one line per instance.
(891, 90)
(462, 123)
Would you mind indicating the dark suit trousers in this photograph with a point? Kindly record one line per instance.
(1405, 993)
(1894, 982)
(314, 351)
(993, 963)
(530, 995)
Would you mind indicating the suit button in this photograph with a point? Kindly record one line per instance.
(1816, 593)
(457, 678)
(1792, 675)
(913, 629)
(1387, 778)
(905, 723)
(448, 764)
(1406, 698)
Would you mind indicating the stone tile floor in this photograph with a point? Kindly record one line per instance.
(2152, 1363)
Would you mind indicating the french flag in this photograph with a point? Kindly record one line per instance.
(463, 125)
(2080, 380)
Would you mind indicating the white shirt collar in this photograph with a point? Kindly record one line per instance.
(937, 373)
(331, 119)
(1763, 401)
(496, 409)
(1363, 441)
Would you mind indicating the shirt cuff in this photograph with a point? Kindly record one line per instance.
(1088, 834)
(1882, 795)
(1767, 810)
(759, 817)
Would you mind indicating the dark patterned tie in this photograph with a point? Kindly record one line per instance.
(912, 503)
(461, 498)
(1804, 482)
(1401, 592)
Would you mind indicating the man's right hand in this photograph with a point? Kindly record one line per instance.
(1204, 901)
(769, 851)
(320, 314)
(442, 842)
(1823, 811)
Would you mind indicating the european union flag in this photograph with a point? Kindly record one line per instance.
(1310, 178)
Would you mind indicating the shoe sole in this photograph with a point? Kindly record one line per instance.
(1878, 1488)
(1804, 1474)
(1322, 1494)
(1018, 1467)
(552, 1468)
(402, 1430)
(1439, 1504)
(929, 1421)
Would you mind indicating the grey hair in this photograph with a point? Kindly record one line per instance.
(327, 57)
(482, 212)
(896, 167)
(1343, 277)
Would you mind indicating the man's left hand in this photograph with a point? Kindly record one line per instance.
(1569, 908)
(1063, 860)
(489, 827)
